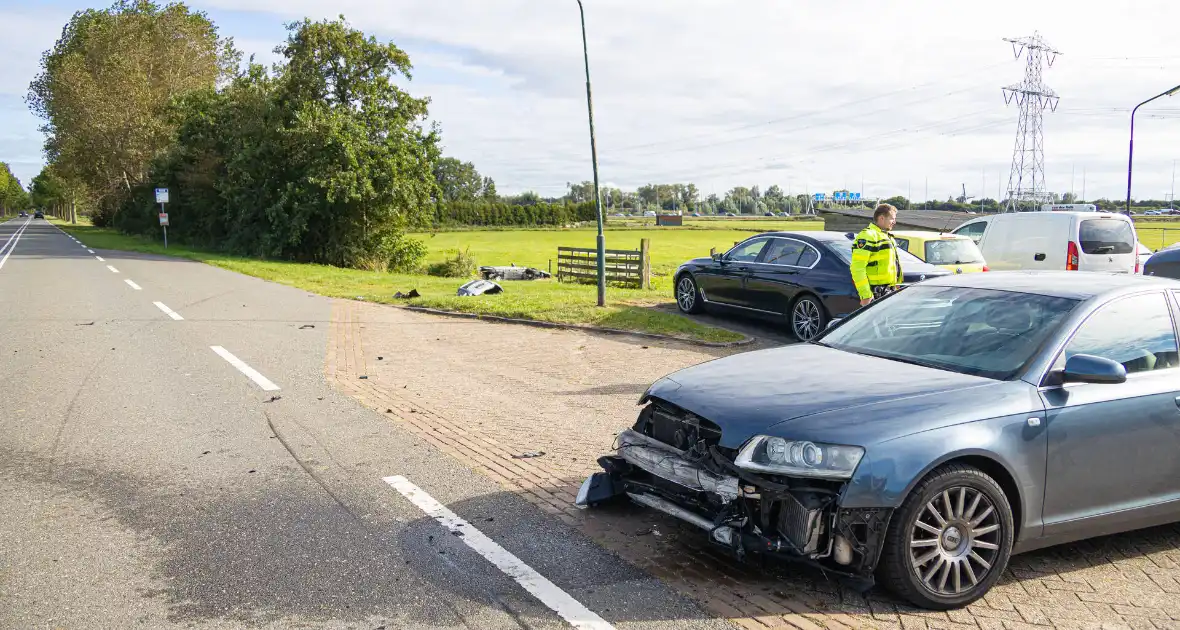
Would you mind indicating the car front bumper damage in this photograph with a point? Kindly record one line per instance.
(793, 519)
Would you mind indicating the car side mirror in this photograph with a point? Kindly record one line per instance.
(720, 258)
(1087, 368)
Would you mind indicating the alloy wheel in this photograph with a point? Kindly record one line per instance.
(686, 294)
(955, 541)
(805, 319)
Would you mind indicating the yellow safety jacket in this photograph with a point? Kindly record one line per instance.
(874, 261)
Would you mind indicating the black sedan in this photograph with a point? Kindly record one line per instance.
(804, 277)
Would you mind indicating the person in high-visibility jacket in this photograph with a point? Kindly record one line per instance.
(876, 266)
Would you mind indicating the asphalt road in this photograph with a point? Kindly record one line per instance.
(146, 480)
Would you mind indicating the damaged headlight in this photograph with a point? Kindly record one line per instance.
(799, 458)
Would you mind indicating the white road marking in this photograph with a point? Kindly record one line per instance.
(261, 380)
(556, 599)
(113, 270)
(12, 241)
(100, 259)
(133, 285)
(171, 313)
(90, 250)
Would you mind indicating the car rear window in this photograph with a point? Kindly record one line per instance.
(1106, 236)
(953, 252)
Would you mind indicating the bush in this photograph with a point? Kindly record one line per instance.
(461, 266)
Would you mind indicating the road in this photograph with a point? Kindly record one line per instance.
(171, 455)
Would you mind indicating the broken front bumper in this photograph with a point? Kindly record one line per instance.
(795, 519)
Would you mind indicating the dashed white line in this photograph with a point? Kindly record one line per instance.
(90, 250)
(100, 259)
(556, 599)
(133, 285)
(253, 374)
(113, 270)
(167, 311)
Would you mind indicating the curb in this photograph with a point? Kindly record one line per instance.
(582, 327)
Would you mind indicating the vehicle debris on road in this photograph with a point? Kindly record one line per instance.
(406, 296)
(529, 455)
(480, 287)
(512, 272)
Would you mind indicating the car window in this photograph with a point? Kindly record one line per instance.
(973, 230)
(748, 251)
(844, 251)
(953, 252)
(1106, 236)
(783, 251)
(808, 257)
(983, 332)
(903, 243)
(1136, 332)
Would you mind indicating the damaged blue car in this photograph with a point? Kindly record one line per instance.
(923, 440)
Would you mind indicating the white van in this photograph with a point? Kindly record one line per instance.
(1085, 241)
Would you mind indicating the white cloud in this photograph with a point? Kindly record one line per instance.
(723, 93)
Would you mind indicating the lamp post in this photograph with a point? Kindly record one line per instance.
(1131, 149)
(594, 162)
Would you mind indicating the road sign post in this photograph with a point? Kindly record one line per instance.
(162, 198)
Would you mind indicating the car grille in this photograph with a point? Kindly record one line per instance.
(678, 428)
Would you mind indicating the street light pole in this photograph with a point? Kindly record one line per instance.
(594, 161)
(1131, 149)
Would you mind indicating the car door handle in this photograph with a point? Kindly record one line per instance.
(1038, 256)
(743, 268)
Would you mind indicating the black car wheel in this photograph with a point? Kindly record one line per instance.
(950, 541)
(688, 295)
(808, 318)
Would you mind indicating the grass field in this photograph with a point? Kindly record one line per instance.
(627, 309)
(1158, 234)
(536, 248)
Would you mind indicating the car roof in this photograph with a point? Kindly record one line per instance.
(1079, 285)
(928, 234)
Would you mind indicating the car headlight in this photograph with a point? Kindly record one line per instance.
(799, 458)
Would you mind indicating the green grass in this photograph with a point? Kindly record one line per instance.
(537, 248)
(1158, 234)
(542, 300)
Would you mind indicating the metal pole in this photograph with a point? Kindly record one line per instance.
(1131, 145)
(1172, 197)
(594, 161)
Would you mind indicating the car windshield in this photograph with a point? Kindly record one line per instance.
(956, 251)
(983, 332)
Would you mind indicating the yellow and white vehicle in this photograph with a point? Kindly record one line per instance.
(955, 252)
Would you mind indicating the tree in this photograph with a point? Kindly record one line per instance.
(899, 202)
(104, 87)
(1069, 198)
(327, 160)
(526, 198)
(578, 193)
(488, 191)
(689, 195)
(458, 181)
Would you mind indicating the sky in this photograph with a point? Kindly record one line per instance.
(883, 98)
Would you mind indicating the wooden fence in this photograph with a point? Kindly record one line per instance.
(629, 268)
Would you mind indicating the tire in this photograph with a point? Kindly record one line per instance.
(688, 295)
(807, 317)
(965, 558)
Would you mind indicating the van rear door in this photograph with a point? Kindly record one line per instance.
(1106, 243)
